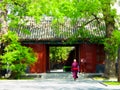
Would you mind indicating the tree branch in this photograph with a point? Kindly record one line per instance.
(96, 18)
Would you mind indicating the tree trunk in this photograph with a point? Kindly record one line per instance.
(106, 73)
(3, 26)
(109, 62)
(3, 30)
(118, 71)
(110, 26)
(15, 75)
(3, 22)
(110, 69)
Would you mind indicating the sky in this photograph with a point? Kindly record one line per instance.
(117, 6)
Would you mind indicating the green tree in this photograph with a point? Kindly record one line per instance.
(59, 53)
(16, 57)
(12, 14)
(113, 48)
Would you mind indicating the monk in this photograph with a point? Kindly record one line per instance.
(75, 69)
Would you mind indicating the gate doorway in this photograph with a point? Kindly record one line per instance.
(59, 55)
(92, 53)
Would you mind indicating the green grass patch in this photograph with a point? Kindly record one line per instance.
(107, 81)
(21, 78)
(111, 83)
(3, 79)
(99, 78)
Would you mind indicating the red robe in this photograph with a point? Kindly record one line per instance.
(75, 69)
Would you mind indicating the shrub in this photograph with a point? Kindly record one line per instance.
(16, 57)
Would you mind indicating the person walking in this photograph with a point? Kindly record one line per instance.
(75, 69)
(83, 65)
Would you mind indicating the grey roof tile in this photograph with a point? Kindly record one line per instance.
(45, 30)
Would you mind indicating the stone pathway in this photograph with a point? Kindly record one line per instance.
(55, 81)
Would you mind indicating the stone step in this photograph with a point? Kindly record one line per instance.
(62, 75)
(56, 75)
(67, 75)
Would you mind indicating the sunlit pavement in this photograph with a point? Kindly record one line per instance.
(56, 81)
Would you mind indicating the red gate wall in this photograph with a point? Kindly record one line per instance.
(40, 65)
(92, 53)
(88, 53)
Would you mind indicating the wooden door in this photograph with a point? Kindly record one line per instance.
(41, 64)
(88, 58)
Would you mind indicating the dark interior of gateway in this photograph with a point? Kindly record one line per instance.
(61, 58)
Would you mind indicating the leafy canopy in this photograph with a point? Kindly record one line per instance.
(16, 57)
(113, 45)
(59, 53)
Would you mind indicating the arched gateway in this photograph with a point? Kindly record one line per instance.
(42, 36)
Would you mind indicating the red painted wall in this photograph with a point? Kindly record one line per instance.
(100, 54)
(88, 52)
(93, 55)
(40, 65)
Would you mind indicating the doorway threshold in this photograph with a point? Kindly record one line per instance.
(57, 70)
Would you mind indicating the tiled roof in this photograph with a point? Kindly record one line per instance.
(46, 30)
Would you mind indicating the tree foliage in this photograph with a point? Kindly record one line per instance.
(59, 54)
(91, 10)
(114, 41)
(16, 57)
(112, 47)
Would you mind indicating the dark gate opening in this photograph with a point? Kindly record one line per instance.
(61, 57)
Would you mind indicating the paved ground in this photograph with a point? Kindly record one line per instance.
(55, 81)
